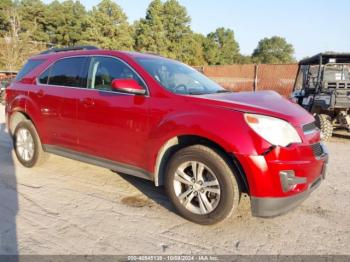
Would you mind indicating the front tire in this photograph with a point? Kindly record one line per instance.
(28, 146)
(324, 123)
(201, 185)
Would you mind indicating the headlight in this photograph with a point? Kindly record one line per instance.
(274, 130)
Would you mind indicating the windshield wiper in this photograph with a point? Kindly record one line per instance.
(204, 93)
(196, 93)
(223, 91)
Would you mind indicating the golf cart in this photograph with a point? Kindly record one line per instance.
(323, 88)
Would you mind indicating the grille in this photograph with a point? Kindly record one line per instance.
(317, 149)
(309, 127)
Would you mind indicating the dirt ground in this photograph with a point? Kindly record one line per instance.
(67, 207)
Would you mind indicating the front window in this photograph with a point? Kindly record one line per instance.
(307, 77)
(312, 76)
(103, 70)
(179, 78)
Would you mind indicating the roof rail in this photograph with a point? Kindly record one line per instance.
(153, 53)
(73, 48)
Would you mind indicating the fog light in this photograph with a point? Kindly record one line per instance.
(289, 180)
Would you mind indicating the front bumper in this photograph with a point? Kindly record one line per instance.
(268, 195)
(275, 206)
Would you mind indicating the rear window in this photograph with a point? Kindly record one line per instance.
(27, 68)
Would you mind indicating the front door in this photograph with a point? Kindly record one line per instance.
(112, 125)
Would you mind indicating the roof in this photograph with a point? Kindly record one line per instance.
(81, 52)
(315, 60)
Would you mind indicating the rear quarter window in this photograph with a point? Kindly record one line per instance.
(27, 68)
(66, 72)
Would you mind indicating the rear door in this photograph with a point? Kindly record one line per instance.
(57, 92)
(113, 125)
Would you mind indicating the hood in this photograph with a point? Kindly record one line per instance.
(261, 102)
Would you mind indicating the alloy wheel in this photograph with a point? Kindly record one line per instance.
(25, 144)
(197, 187)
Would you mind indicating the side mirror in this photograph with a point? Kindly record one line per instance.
(128, 86)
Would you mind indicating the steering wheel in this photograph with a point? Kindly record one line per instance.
(181, 86)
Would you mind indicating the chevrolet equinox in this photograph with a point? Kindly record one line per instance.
(161, 120)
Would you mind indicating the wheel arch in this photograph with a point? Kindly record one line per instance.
(178, 142)
(15, 118)
(24, 108)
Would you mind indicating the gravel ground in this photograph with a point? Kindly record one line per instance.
(67, 207)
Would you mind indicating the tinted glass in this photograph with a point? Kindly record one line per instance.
(103, 70)
(27, 68)
(67, 72)
(44, 78)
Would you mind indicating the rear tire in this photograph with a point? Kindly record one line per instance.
(324, 123)
(201, 185)
(27, 145)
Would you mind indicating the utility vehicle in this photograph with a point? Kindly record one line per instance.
(323, 89)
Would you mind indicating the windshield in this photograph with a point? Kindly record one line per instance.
(179, 78)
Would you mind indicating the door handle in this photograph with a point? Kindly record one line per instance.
(88, 102)
(40, 93)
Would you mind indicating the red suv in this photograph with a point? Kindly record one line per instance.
(161, 120)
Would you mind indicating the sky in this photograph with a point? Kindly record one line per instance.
(312, 26)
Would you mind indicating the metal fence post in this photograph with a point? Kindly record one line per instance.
(256, 77)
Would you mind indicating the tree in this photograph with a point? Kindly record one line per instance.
(274, 50)
(150, 34)
(245, 59)
(192, 51)
(10, 50)
(5, 6)
(67, 22)
(16, 46)
(176, 24)
(166, 31)
(108, 27)
(221, 47)
(34, 18)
